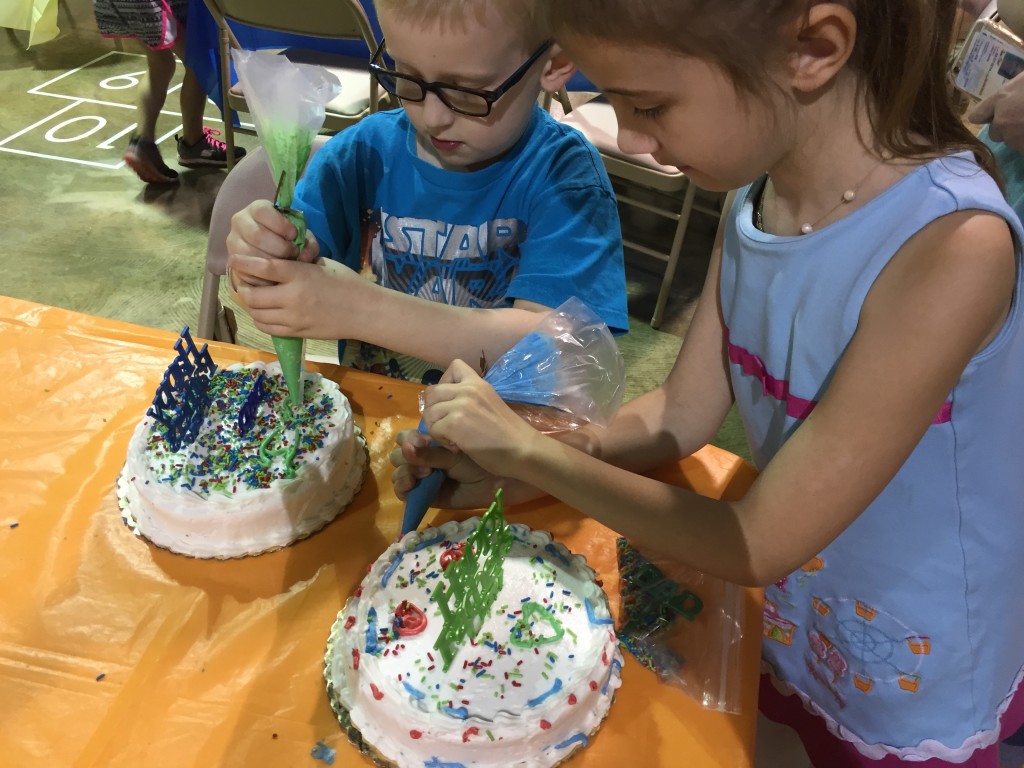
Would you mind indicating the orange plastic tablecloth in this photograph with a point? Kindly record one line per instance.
(115, 653)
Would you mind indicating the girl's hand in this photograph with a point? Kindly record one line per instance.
(464, 413)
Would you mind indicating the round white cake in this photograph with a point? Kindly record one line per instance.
(530, 689)
(229, 494)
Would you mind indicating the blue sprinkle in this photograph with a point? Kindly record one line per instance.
(100, 676)
(460, 713)
(322, 752)
(14, 525)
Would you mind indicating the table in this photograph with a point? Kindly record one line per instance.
(114, 653)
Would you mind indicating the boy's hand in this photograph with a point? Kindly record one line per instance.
(261, 230)
(467, 486)
(293, 298)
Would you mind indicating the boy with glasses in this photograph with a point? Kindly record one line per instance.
(469, 198)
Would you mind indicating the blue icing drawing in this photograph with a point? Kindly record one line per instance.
(391, 569)
(593, 618)
(555, 551)
(371, 630)
(460, 713)
(579, 738)
(540, 699)
(615, 666)
(436, 762)
(412, 691)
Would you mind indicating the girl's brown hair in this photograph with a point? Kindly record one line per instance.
(901, 53)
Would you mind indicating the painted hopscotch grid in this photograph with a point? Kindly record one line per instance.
(97, 116)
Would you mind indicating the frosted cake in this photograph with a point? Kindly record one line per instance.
(528, 685)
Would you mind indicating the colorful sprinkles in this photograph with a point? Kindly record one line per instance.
(221, 460)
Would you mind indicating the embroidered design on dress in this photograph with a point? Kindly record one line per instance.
(879, 648)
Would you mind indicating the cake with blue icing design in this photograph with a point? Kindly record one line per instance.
(417, 680)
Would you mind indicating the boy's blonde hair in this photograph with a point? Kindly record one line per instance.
(523, 16)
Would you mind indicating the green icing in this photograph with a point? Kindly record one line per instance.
(523, 635)
(474, 581)
(266, 454)
(288, 146)
(289, 353)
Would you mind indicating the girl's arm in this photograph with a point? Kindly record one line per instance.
(930, 311)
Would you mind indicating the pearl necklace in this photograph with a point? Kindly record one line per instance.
(848, 196)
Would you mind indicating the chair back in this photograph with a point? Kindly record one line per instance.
(341, 19)
(642, 184)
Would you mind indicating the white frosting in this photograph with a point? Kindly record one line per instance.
(500, 704)
(195, 512)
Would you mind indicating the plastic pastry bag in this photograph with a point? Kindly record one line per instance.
(566, 373)
(287, 102)
(683, 625)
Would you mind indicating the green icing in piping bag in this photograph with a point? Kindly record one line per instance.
(288, 147)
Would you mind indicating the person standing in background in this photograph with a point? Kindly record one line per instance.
(160, 26)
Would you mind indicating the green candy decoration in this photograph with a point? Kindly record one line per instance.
(474, 581)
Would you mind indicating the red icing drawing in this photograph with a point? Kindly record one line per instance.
(449, 556)
(409, 620)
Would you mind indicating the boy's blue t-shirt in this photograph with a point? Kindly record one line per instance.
(540, 224)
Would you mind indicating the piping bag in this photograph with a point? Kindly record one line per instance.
(287, 102)
(566, 373)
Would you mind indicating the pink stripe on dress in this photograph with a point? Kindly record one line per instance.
(797, 407)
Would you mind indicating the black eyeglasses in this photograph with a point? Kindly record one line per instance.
(465, 101)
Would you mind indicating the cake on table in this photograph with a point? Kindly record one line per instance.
(222, 466)
(477, 643)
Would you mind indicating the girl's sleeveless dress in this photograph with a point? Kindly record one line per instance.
(904, 638)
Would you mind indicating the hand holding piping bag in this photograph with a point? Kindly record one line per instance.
(287, 102)
(566, 373)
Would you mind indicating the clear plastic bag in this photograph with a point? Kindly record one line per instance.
(566, 373)
(288, 104)
(683, 625)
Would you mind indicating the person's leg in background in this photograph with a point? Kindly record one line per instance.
(197, 145)
(142, 154)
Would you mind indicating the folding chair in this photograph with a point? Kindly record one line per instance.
(250, 180)
(342, 20)
(674, 195)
